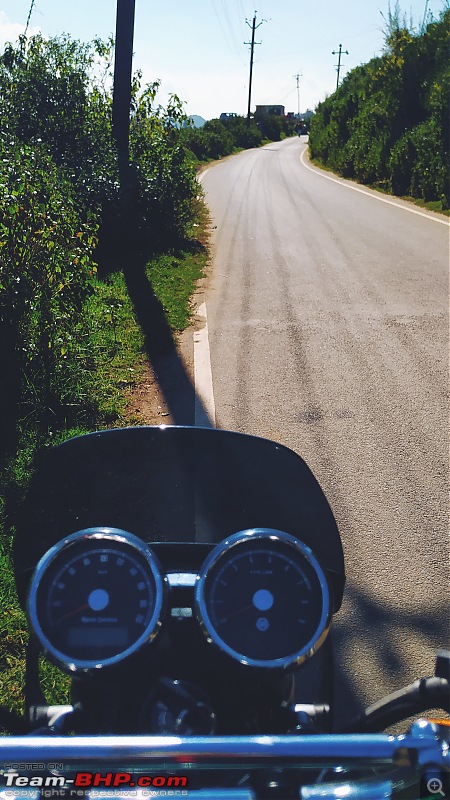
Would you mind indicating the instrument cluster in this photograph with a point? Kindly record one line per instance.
(100, 595)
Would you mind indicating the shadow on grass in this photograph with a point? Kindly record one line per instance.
(174, 382)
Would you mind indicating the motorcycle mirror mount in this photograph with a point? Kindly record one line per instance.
(442, 669)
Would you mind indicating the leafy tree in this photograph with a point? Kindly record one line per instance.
(274, 126)
(48, 93)
(218, 138)
(164, 178)
(45, 271)
(59, 190)
(245, 136)
(387, 124)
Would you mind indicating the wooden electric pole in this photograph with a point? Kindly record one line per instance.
(338, 65)
(298, 76)
(122, 85)
(252, 48)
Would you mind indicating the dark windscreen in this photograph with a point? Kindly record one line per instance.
(170, 484)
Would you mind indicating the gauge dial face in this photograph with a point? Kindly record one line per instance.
(95, 598)
(263, 598)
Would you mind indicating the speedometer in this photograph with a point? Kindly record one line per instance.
(263, 598)
(96, 598)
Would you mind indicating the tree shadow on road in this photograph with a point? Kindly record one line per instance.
(373, 640)
(372, 643)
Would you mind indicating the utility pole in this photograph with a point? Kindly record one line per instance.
(252, 48)
(298, 76)
(338, 65)
(424, 21)
(28, 18)
(122, 85)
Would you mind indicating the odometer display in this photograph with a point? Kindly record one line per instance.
(263, 598)
(95, 598)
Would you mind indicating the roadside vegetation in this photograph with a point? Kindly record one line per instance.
(387, 125)
(222, 137)
(74, 258)
(70, 343)
(73, 255)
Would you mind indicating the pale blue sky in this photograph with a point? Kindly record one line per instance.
(197, 48)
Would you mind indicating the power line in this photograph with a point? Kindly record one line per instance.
(228, 35)
(240, 8)
(228, 20)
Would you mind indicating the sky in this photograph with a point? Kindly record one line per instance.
(197, 49)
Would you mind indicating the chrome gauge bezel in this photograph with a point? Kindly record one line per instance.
(98, 535)
(223, 550)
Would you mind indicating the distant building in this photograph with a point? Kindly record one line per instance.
(305, 115)
(277, 111)
(227, 115)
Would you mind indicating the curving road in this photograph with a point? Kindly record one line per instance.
(327, 315)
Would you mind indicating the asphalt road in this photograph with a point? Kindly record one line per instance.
(328, 316)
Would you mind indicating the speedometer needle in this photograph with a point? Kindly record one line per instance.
(235, 613)
(75, 611)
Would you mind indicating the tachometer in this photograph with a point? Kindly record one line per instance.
(95, 598)
(263, 598)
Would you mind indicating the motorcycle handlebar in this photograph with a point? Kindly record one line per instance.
(213, 751)
(414, 699)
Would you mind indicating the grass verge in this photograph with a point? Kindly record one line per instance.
(174, 275)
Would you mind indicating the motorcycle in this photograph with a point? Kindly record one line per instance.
(186, 579)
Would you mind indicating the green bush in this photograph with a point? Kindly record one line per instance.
(274, 127)
(388, 122)
(45, 270)
(50, 92)
(244, 136)
(219, 138)
(164, 185)
(212, 141)
(418, 164)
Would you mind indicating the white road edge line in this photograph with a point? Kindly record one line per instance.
(370, 194)
(205, 408)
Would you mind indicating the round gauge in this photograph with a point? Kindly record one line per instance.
(262, 597)
(95, 598)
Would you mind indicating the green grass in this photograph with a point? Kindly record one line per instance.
(13, 638)
(432, 205)
(173, 278)
(111, 359)
(117, 348)
(174, 275)
(110, 362)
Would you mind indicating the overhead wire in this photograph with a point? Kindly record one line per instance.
(240, 8)
(229, 36)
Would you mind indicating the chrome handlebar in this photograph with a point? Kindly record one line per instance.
(389, 758)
